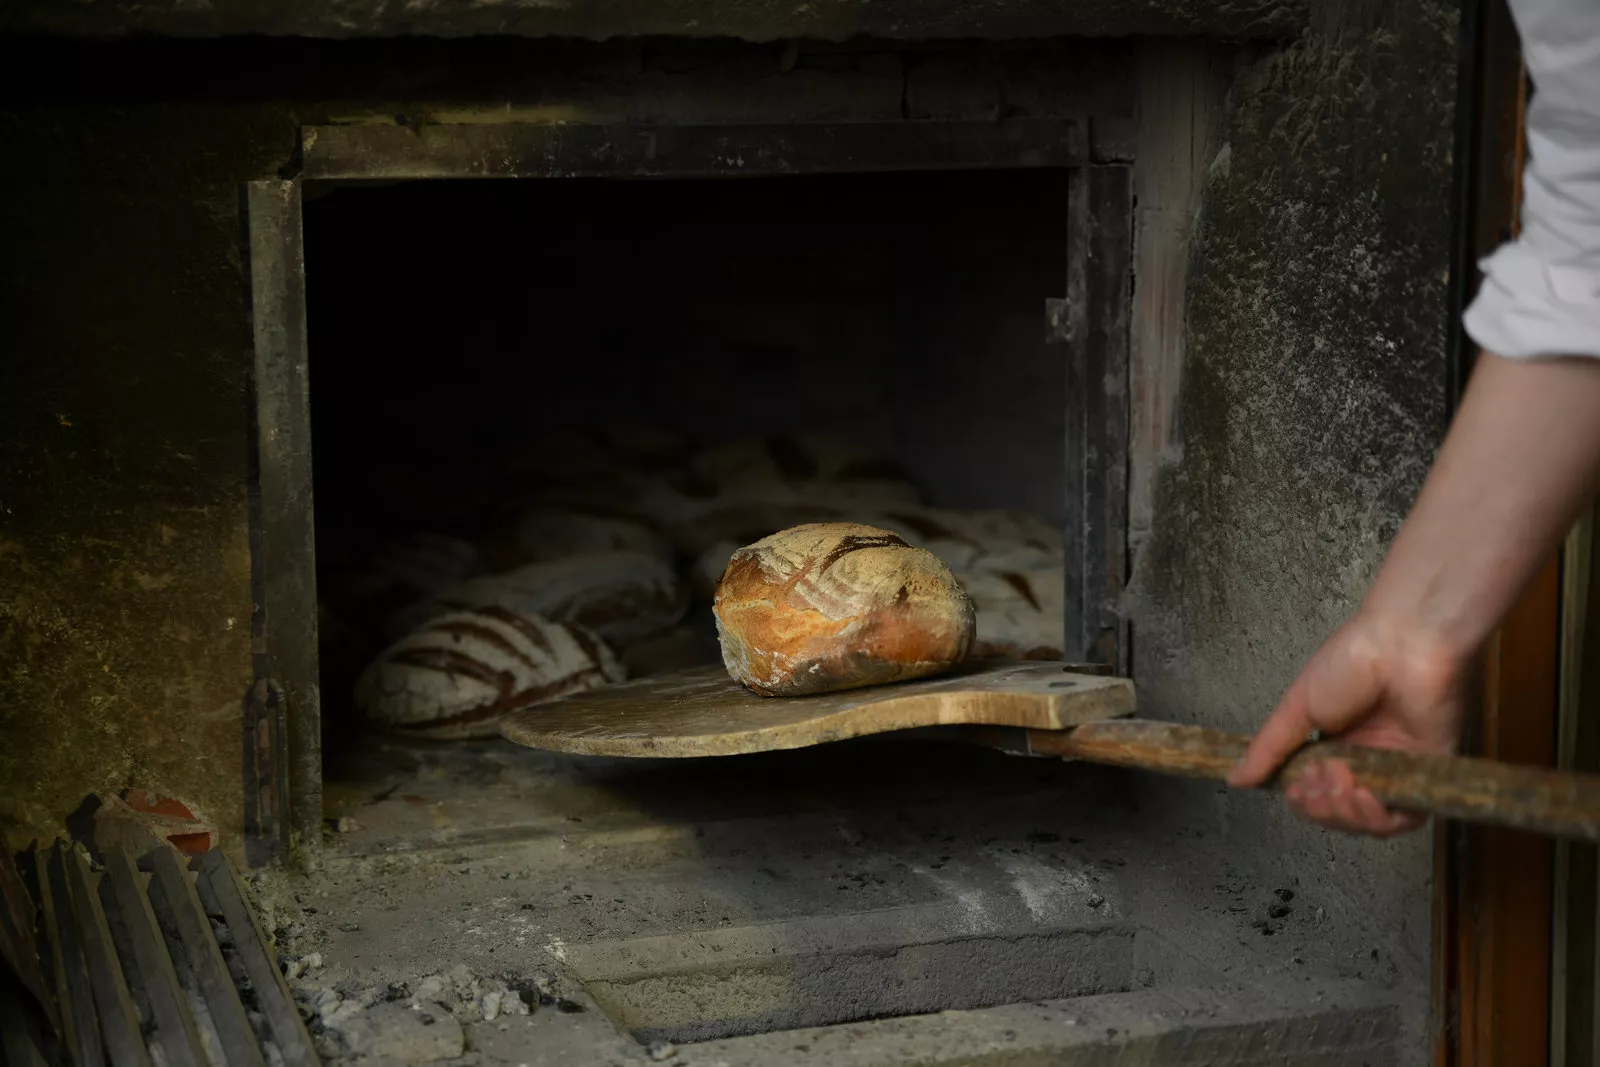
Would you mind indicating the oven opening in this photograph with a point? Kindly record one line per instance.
(616, 383)
(591, 390)
(559, 378)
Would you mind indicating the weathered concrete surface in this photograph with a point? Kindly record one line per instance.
(761, 20)
(1218, 1026)
(125, 610)
(1313, 395)
(837, 884)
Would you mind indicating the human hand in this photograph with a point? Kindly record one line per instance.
(1373, 683)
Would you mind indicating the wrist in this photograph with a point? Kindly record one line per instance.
(1443, 587)
(1435, 652)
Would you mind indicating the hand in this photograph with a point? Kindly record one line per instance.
(1372, 683)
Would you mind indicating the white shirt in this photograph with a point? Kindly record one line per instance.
(1541, 293)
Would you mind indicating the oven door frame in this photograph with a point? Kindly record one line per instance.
(282, 731)
(1494, 924)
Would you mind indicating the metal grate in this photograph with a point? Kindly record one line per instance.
(141, 964)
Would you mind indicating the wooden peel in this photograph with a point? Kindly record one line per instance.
(1557, 803)
(1039, 709)
(703, 712)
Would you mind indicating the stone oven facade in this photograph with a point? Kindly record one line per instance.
(1230, 383)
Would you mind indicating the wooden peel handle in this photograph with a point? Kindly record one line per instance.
(1558, 803)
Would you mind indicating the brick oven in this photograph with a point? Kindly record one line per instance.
(303, 304)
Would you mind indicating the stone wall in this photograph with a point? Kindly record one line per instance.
(1312, 388)
(125, 605)
(1313, 393)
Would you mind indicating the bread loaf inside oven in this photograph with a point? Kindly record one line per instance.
(618, 553)
(622, 596)
(460, 672)
(1010, 564)
(833, 606)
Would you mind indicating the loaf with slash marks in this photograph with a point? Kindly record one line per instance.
(622, 596)
(831, 606)
(456, 676)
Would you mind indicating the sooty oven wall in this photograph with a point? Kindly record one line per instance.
(1313, 393)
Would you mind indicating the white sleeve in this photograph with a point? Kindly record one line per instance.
(1541, 293)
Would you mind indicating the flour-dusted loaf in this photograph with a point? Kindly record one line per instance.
(622, 596)
(461, 672)
(834, 606)
(1021, 613)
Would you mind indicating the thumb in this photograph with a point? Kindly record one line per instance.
(1332, 693)
(1285, 730)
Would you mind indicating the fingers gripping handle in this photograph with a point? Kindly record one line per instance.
(1557, 803)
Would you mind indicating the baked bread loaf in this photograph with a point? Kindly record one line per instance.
(622, 596)
(458, 675)
(836, 606)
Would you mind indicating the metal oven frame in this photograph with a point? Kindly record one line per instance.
(1091, 323)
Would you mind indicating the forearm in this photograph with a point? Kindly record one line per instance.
(1520, 461)
(1524, 454)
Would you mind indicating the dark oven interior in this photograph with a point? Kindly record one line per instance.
(518, 374)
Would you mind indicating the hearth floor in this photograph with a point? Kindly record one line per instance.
(878, 902)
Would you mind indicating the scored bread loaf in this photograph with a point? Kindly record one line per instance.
(457, 676)
(622, 596)
(832, 606)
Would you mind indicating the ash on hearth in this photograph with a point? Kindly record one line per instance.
(416, 1020)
